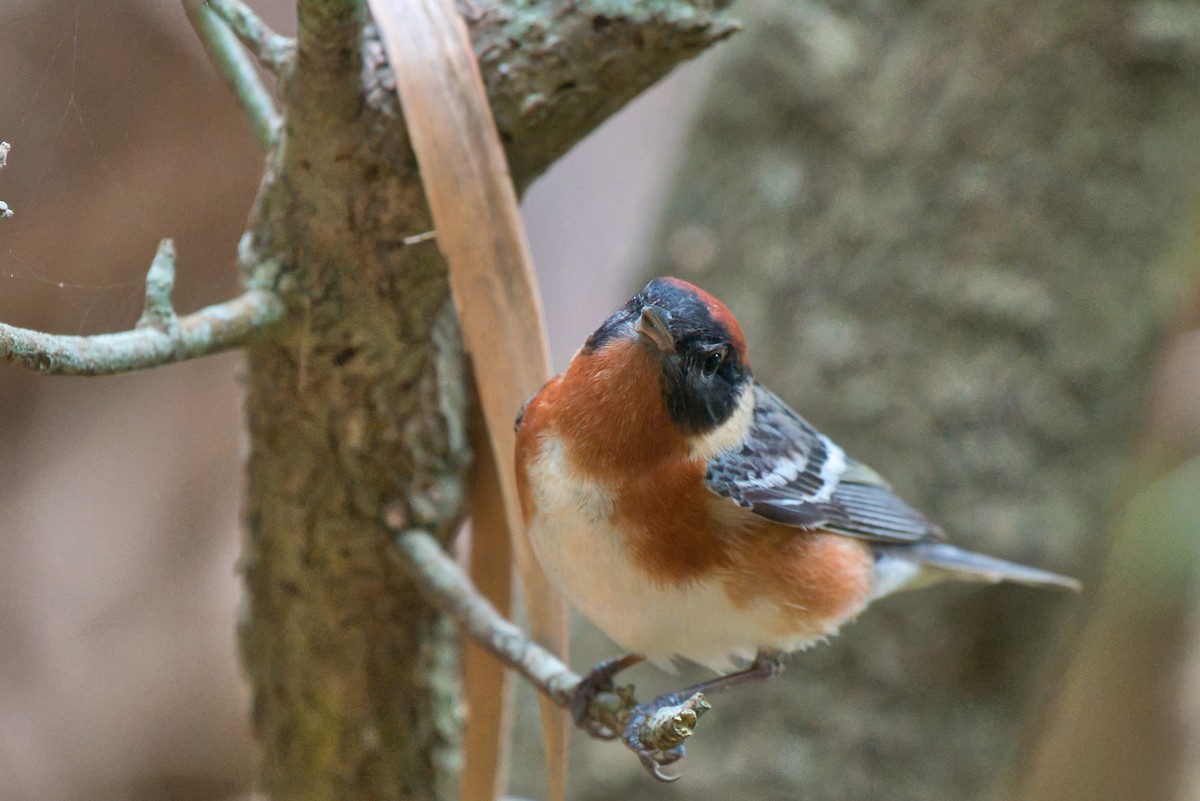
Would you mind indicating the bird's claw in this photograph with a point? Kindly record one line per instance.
(653, 762)
(654, 731)
(653, 759)
(598, 680)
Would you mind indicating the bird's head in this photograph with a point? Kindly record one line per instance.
(697, 346)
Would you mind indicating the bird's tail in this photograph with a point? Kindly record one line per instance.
(903, 567)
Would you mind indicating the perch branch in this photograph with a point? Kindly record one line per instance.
(272, 50)
(662, 730)
(159, 337)
(669, 726)
(236, 68)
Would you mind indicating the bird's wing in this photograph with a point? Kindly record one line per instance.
(786, 471)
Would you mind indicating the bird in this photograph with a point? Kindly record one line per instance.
(689, 513)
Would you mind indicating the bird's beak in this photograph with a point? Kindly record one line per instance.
(653, 325)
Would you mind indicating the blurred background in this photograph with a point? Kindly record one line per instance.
(961, 237)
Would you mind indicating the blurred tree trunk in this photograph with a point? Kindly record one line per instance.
(1124, 726)
(940, 224)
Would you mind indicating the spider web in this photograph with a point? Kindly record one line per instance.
(76, 89)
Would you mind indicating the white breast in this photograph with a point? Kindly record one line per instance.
(585, 556)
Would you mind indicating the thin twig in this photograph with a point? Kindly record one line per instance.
(272, 50)
(160, 282)
(440, 578)
(669, 726)
(5, 211)
(236, 68)
(417, 239)
(450, 589)
(159, 338)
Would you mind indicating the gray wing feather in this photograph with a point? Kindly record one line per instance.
(786, 471)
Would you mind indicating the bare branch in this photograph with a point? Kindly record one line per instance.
(272, 50)
(328, 24)
(663, 729)
(447, 587)
(160, 282)
(159, 338)
(236, 68)
(329, 40)
(669, 726)
(548, 91)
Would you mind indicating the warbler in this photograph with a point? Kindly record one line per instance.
(687, 511)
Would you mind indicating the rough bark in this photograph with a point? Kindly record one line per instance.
(360, 407)
(941, 225)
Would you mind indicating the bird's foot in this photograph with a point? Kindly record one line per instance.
(655, 731)
(599, 680)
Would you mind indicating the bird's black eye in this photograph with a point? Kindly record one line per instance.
(713, 361)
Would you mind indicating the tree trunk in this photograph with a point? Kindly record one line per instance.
(358, 412)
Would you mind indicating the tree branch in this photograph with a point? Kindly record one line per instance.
(450, 590)
(554, 71)
(235, 67)
(662, 730)
(328, 25)
(272, 50)
(159, 337)
(329, 54)
(5, 211)
(157, 311)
